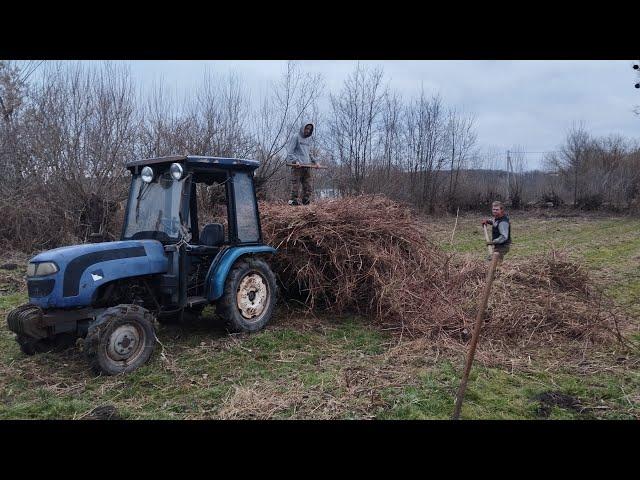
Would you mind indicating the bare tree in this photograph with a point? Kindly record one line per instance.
(425, 134)
(461, 140)
(220, 118)
(78, 128)
(12, 99)
(66, 132)
(290, 101)
(571, 161)
(12, 86)
(157, 124)
(391, 125)
(515, 175)
(353, 123)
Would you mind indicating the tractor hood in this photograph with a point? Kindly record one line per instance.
(82, 269)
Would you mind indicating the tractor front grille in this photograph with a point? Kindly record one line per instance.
(40, 288)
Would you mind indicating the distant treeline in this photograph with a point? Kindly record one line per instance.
(67, 129)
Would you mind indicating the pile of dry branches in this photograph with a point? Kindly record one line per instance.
(371, 256)
(549, 296)
(358, 254)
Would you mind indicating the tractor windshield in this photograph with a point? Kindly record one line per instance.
(153, 211)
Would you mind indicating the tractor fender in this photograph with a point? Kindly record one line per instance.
(219, 269)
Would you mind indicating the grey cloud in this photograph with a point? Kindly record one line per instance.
(527, 103)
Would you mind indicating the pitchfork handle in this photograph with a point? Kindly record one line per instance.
(486, 236)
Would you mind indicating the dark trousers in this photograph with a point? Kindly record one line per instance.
(301, 175)
(502, 250)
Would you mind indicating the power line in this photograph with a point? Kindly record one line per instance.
(29, 70)
(546, 151)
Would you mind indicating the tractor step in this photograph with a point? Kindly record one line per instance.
(195, 301)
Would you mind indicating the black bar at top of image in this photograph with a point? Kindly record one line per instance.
(325, 33)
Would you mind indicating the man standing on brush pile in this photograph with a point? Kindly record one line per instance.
(501, 231)
(298, 153)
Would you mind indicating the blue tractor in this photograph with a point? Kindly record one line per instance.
(165, 267)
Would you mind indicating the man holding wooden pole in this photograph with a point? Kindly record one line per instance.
(301, 162)
(501, 230)
(498, 247)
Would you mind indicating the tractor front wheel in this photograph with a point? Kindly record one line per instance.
(31, 346)
(249, 296)
(120, 340)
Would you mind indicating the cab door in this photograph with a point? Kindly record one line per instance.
(243, 211)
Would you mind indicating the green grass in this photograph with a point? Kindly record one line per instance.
(497, 394)
(11, 300)
(344, 367)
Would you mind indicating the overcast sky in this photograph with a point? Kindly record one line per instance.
(525, 103)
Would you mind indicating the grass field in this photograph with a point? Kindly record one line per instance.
(324, 367)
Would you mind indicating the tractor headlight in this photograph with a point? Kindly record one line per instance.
(31, 269)
(176, 171)
(41, 269)
(46, 268)
(147, 174)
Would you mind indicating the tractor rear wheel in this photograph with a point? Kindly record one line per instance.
(120, 340)
(249, 296)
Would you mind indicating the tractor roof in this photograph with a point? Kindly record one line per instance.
(200, 161)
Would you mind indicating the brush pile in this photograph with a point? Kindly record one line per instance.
(360, 254)
(544, 298)
(370, 256)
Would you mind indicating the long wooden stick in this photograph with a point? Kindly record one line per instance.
(482, 306)
(306, 165)
(455, 225)
(486, 237)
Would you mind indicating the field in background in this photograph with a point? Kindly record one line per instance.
(324, 367)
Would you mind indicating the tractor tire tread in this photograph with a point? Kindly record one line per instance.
(92, 340)
(226, 306)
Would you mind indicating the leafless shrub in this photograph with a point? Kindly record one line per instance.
(598, 172)
(353, 124)
(77, 127)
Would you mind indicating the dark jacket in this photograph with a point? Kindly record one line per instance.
(501, 231)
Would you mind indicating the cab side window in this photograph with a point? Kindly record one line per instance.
(212, 206)
(246, 211)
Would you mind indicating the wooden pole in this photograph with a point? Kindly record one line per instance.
(486, 237)
(482, 306)
(306, 165)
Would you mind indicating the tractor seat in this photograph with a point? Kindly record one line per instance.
(211, 238)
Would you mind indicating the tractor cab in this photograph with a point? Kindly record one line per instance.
(165, 200)
(191, 237)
